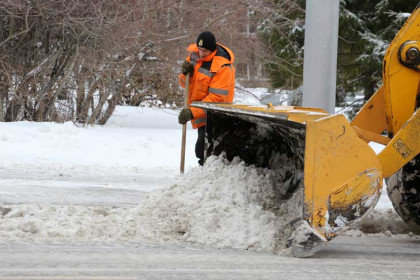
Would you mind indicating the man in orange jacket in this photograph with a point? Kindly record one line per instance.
(212, 79)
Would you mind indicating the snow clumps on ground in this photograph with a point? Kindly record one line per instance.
(221, 205)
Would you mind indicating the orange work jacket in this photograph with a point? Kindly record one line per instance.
(213, 80)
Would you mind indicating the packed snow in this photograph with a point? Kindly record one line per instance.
(121, 183)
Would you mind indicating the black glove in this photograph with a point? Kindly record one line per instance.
(184, 116)
(187, 68)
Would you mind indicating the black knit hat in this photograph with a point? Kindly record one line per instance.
(206, 40)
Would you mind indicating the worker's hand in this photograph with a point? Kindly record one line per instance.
(184, 116)
(187, 68)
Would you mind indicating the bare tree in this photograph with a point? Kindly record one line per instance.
(76, 60)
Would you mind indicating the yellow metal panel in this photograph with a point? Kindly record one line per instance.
(403, 147)
(304, 117)
(340, 198)
(401, 83)
(292, 113)
(372, 115)
(368, 136)
(350, 201)
(334, 157)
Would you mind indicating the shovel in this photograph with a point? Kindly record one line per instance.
(184, 126)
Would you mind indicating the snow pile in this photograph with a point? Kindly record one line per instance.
(222, 205)
(218, 205)
(383, 221)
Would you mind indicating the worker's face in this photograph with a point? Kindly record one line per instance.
(202, 52)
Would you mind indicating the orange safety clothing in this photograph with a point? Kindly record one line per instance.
(213, 79)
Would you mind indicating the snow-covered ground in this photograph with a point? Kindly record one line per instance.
(120, 184)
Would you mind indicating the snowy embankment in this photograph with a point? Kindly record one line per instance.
(121, 183)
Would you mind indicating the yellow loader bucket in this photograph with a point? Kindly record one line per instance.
(325, 177)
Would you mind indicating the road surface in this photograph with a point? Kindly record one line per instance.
(344, 258)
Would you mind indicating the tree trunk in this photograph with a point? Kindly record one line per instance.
(4, 93)
(80, 88)
(98, 109)
(112, 103)
(86, 105)
(67, 69)
(48, 97)
(17, 102)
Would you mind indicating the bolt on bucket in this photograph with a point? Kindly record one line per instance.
(325, 178)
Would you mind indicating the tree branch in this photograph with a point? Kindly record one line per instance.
(20, 33)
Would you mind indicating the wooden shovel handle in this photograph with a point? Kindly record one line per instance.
(184, 126)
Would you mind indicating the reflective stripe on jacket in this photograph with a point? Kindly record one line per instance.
(213, 80)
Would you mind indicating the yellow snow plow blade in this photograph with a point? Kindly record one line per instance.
(316, 160)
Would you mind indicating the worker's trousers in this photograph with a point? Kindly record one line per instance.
(199, 145)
